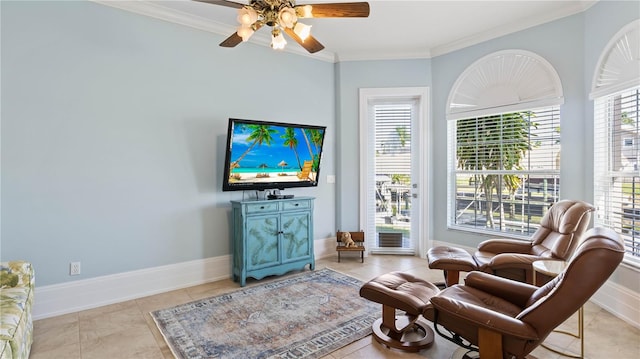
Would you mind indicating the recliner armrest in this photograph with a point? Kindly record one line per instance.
(513, 260)
(505, 245)
(482, 317)
(515, 292)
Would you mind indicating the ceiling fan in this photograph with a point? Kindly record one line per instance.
(282, 16)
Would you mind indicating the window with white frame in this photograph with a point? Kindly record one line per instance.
(616, 172)
(504, 144)
(616, 94)
(505, 170)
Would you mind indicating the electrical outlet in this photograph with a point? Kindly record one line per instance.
(74, 268)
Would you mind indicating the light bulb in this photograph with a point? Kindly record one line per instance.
(303, 31)
(247, 16)
(278, 42)
(245, 32)
(287, 17)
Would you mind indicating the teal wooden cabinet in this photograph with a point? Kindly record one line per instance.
(271, 237)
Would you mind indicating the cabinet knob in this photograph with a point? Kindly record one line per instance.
(297, 204)
(261, 207)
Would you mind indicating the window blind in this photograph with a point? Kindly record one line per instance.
(616, 172)
(392, 163)
(393, 139)
(504, 170)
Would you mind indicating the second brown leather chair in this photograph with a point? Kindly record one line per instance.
(557, 238)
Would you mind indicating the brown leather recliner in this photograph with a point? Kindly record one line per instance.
(506, 318)
(557, 238)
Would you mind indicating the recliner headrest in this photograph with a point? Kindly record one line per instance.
(566, 215)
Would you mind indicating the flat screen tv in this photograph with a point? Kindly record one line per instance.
(263, 155)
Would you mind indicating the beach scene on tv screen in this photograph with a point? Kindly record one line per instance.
(267, 153)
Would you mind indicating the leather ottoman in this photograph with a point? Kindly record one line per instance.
(403, 291)
(452, 261)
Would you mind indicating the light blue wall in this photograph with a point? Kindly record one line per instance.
(577, 44)
(113, 135)
(572, 45)
(351, 76)
(113, 129)
(565, 53)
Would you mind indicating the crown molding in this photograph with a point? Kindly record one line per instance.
(380, 55)
(576, 8)
(158, 11)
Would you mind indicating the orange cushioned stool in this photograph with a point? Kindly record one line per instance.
(399, 290)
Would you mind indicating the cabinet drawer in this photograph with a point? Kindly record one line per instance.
(289, 205)
(262, 207)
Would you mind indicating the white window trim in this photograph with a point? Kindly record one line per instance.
(602, 148)
(617, 68)
(615, 72)
(498, 83)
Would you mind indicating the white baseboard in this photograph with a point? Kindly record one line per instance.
(324, 248)
(58, 299)
(619, 301)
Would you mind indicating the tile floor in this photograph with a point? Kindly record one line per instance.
(126, 330)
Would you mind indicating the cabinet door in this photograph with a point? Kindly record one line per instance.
(262, 241)
(295, 236)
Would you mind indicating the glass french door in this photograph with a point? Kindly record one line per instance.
(392, 173)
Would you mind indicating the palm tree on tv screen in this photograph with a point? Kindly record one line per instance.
(316, 139)
(291, 141)
(260, 134)
(306, 139)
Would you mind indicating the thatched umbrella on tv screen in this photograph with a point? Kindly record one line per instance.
(281, 165)
(264, 174)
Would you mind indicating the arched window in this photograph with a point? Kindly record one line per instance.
(504, 143)
(616, 93)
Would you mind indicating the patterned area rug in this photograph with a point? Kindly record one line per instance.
(308, 315)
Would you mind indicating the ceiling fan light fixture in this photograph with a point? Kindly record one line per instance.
(287, 17)
(247, 16)
(277, 41)
(245, 32)
(282, 16)
(302, 30)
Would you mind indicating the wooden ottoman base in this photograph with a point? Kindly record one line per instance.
(405, 332)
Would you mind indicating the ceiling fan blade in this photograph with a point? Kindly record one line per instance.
(345, 9)
(231, 41)
(235, 39)
(310, 43)
(232, 4)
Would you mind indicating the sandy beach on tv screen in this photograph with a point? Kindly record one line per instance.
(254, 177)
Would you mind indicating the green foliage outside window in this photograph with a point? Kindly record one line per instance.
(494, 143)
